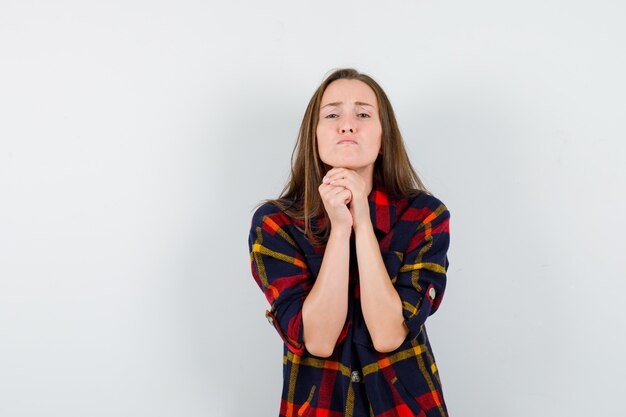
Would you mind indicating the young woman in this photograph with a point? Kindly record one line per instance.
(352, 258)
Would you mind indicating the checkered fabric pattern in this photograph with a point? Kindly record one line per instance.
(357, 380)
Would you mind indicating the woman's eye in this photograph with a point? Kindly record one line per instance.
(332, 114)
(366, 115)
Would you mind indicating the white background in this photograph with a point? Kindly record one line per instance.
(136, 136)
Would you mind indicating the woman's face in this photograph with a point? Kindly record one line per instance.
(349, 111)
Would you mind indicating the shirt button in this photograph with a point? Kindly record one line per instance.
(431, 293)
(355, 376)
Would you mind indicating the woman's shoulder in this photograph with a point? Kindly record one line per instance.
(265, 209)
(423, 207)
(270, 211)
(426, 200)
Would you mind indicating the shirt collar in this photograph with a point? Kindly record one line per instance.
(382, 208)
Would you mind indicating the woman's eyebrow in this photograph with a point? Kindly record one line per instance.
(336, 103)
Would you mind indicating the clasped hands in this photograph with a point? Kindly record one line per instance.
(340, 187)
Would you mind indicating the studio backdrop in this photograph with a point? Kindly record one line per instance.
(136, 138)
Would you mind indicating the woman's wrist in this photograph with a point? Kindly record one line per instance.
(341, 232)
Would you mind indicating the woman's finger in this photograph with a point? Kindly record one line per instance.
(339, 190)
(347, 196)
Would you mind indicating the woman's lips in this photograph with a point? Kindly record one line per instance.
(347, 141)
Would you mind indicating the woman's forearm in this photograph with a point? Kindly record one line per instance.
(325, 309)
(380, 302)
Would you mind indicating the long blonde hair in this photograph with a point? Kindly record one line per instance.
(300, 198)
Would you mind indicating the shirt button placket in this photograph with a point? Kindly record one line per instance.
(356, 376)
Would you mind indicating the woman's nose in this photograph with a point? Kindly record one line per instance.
(347, 125)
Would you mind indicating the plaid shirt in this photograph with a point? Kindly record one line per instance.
(356, 380)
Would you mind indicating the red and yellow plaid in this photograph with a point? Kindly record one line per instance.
(357, 380)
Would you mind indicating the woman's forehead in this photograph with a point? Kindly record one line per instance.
(351, 91)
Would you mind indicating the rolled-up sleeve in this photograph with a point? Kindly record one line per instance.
(280, 270)
(421, 279)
